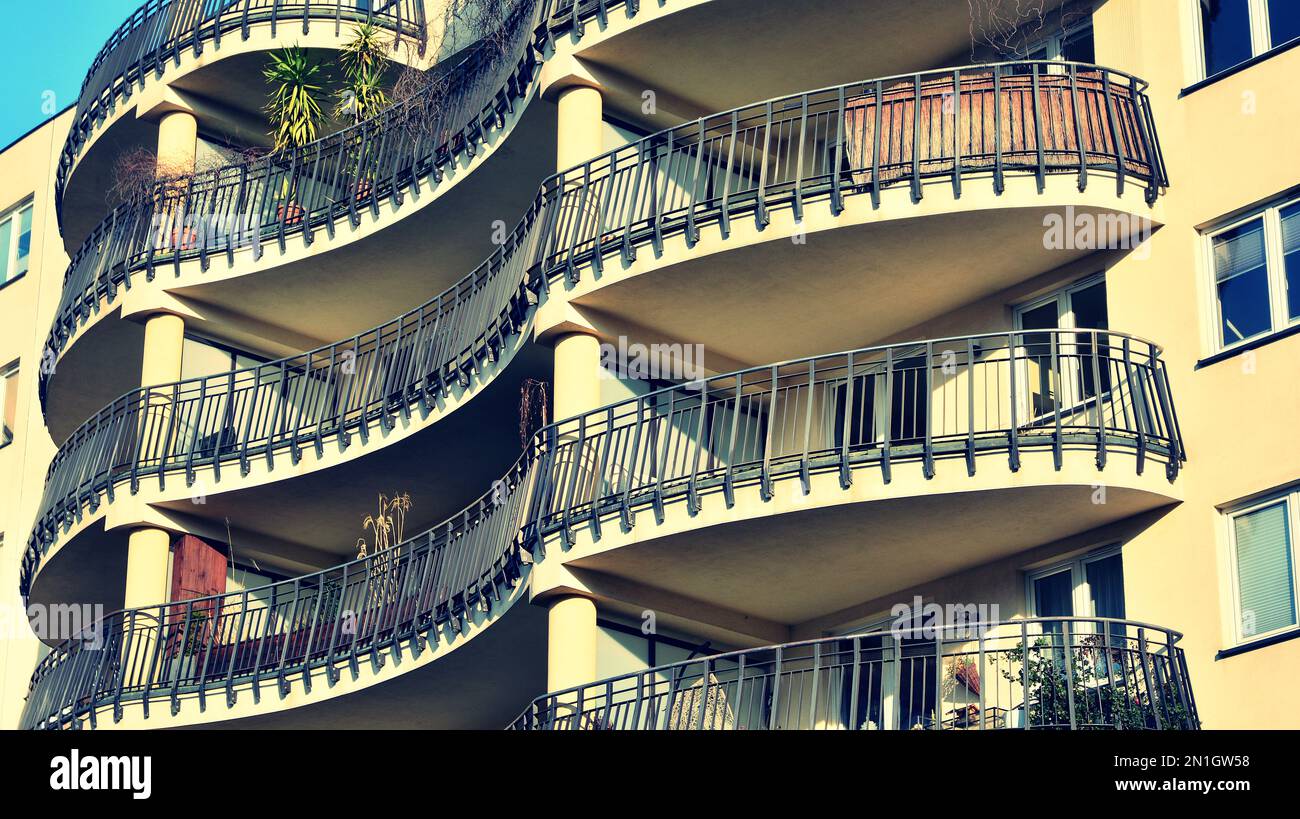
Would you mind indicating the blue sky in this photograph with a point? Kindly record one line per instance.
(48, 48)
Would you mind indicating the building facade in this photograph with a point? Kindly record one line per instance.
(684, 364)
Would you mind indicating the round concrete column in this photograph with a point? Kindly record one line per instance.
(571, 643)
(579, 134)
(146, 568)
(164, 340)
(178, 137)
(147, 549)
(577, 374)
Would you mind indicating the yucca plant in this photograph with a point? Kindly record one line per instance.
(362, 96)
(365, 53)
(295, 111)
(294, 108)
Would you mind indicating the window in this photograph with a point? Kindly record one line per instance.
(1091, 586)
(8, 403)
(1081, 305)
(1256, 265)
(15, 242)
(1262, 556)
(1233, 31)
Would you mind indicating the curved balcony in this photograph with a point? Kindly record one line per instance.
(160, 31)
(1058, 393)
(425, 596)
(244, 207)
(642, 194)
(1035, 674)
(838, 188)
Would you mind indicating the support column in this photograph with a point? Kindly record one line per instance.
(178, 139)
(580, 126)
(146, 568)
(577, 374)
(178, 134)
(147, 548)
(571, 641)
(571, 647)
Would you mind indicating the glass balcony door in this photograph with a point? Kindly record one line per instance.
(1063, 374)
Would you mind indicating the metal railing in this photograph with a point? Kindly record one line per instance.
(1056, 673)
(159, 31)
(960, 398)
(984, 121)
(298, 192)
(399, 599)
(751, 160)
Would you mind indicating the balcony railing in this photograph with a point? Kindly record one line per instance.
(963, 124)
(212, 648)
(1045, 673)
(298, 192)
(962, 398)
(747, 161)
(160, 30)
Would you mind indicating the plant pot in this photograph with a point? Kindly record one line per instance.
(363, 189)
(290, 214)
(181, 238)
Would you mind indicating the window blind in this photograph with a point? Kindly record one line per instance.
(1265, 579)
(1239, 251)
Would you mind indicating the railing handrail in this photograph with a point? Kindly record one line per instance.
(549, 181)
(541, 232)
(226, 16)
(531, 492)
(542, 439)
(1173, 635)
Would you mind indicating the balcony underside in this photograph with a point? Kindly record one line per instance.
(701, 57)
(850, 280)
(835, 548)
(297, 518)
(355, 281)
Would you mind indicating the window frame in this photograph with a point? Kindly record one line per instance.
(10, 369)
(1064, 298)
(1261, 38)
(1291, 498)
(13, 216)
(1274, 267)
(1080, 599)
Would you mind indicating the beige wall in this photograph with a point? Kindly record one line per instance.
(1229, 145)
(26, 309)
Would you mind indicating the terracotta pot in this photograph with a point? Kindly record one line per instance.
(290, 214)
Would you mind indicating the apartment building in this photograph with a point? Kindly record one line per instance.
(689, 364)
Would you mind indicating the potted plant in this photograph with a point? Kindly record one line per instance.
(295, 112)
(362, 96)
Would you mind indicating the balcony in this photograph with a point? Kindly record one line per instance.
(420, 611)
(1079, 402)
(933, 188)
(1036, 674)
(843, 478)
(161, 34)
(735, 171)
(198, 237)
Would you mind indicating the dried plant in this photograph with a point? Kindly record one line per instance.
(479, 21)
(532, 408)
(1010, 29)
(387, 529)
(138, 177)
